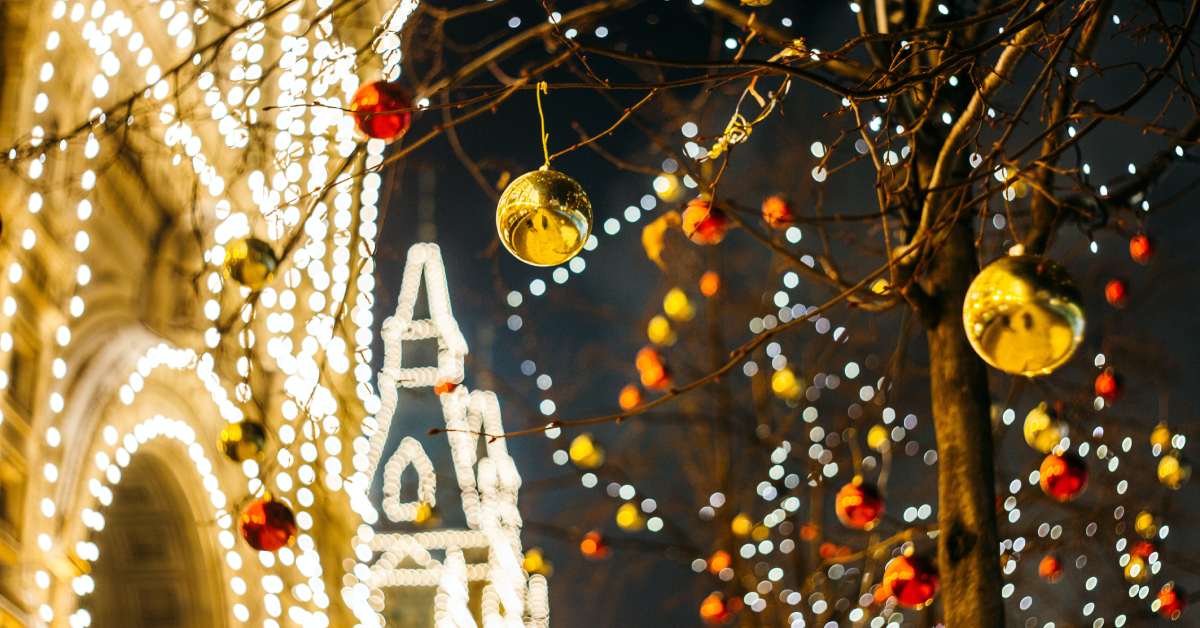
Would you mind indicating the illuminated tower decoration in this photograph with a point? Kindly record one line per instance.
(488, 482)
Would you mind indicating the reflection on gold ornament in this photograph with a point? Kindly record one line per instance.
(659, 331)
(785, 385)
(1042, 429)
(1173, 471)
(1023, 315)
(629, 518)
(1160, 436)
(677, 305)
(544, 218)
(244, 440)
(250, 262)
(585, 453)
(1146, 524)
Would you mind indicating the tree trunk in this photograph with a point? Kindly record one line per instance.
(968, 549)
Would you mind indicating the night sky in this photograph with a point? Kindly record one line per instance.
(584, 334)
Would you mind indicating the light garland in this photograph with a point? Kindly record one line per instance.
(230, 101)
(488, 486)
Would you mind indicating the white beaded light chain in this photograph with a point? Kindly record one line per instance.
(488, 485)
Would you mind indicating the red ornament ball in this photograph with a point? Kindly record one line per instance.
(858, 505)
(593, 546)
(382, 110)
(912, 580)
(1140, 248)
(1108, 385)
(1050, 568)
(1141, 549)
(1170, 601)
(1116, 292)
(703, 223)
(267, 524)
(1063, 477)
(777, 212)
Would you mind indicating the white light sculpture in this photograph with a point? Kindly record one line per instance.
(488, 484)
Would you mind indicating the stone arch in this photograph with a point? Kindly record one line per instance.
(154, 568)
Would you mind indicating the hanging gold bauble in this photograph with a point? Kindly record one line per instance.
(1146, 524)
(741, 524)
(250, 262)
(629, 518)
(1043, 431)
(535, 562)
(244, 440)
(426, 515)
(585, 452)
(1160, 436)
(1173, 471)
(785, 385)
(544, 218)
(1023, 315)
(1136, 570)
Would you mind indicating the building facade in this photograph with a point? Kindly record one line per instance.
(143, 138)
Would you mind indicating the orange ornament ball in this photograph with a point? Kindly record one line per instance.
(1170, 602)
(715, 610)
(1140, 248)
(719, 561)
(858, 505)
(1063, 477)
(267, 524)
(703, 223)
(593, 546)
(652, 370)
(912, 580)
(1116, 292)
(442, 388)
(1108, 385)
(777, 212)
(1050, 568)
(630, 397)
(382, 110)
(710, 283)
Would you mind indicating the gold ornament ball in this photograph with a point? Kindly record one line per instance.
(544, 218)
(629, 518)
(1160, 436)
(1023, 315)
(244, 440)
(426, 515)
(1136, 570)
(585, 452)
(659, 331)
(1146, 524)
(250, 262)
(1042, 429)
(785, 385)
(877, 438)
(1173, 471)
